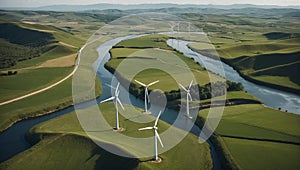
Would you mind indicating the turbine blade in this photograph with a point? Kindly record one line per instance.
(111, 98)
(153, 83)
(140, 83)
(182, 87)
(190, 96)
(158, 137)
(157, 118)
(147, 94)
(146, 128)
(110, 86)
(118, 85)
(191, 84)
(118, 100)
(117, 89)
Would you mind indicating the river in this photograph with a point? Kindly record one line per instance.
(12, 141)
(270, 97)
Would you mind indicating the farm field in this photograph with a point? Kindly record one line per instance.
(267, 58)
(252, 131)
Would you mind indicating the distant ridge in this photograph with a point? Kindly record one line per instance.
(105, 6)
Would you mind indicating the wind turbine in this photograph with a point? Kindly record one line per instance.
(188, 98)
(189, 29)
(172, 28)
(178, 34)
(146, 92)
(117, 101)
(156, 136)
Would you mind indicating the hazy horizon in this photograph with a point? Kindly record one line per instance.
(39, 3)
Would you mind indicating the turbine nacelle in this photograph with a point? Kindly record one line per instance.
(147, 98)
(188, 97)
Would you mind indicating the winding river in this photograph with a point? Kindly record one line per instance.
(270, 97)
(12, 141)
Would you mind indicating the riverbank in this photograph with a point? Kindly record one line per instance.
(47, 133)
(247, 77)
(23, 109)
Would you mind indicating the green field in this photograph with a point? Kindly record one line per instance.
(152, 50)
(18, 50)
(94, 157)
(27, 81)
(263, 155)
(266, 58)
(51, 43)
(44, 103)
(56, 52)
(251, 131)
(232, 95)
(59, 151)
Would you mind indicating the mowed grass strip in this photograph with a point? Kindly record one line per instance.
(65, 61)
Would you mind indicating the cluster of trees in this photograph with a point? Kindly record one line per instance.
(204, 92)
(9, 73)
(207, 91)
(10, 54)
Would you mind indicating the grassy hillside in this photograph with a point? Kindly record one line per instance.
(273, 62)
(55, 45)
(264, 50)
(80, 25)
(58, 151)
(10, 86)
(44, 103)
(21, 42)
(89, 156)
(253, 136)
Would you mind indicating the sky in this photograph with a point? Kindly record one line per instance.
(37, 3)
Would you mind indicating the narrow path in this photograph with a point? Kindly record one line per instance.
(261, 139)
(46, 88)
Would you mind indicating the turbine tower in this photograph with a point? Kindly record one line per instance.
(156, 136)
(147, 99)
(188, 98)
(117, 101)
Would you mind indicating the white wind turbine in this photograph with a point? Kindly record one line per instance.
(188, 98)
(156, 136)
(147, 99)
(117, 101)
(172, 28)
